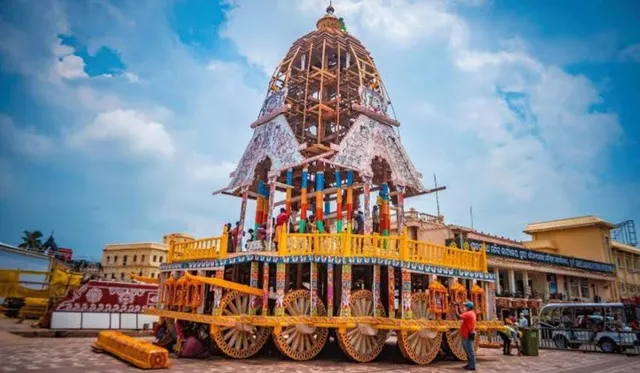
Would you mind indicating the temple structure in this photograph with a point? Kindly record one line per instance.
(325, 134)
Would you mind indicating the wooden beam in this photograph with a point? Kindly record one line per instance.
(325, 191)
(226, 284)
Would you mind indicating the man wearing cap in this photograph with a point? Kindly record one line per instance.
(468, 333)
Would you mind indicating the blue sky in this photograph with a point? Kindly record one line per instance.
(120, 118)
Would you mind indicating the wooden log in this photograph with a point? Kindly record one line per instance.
(138, 352)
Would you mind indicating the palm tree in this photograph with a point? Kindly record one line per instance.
(31, 240)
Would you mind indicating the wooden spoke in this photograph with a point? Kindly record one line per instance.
(301, 341)
(452, 344)
(240, 341)
(420, 346)
(362, 343)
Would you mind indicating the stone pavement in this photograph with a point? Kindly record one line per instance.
(74, 355)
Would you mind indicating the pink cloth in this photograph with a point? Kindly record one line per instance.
(193, 348)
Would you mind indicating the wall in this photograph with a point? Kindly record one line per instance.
(585, 243)
(628, 270)
(144, 254)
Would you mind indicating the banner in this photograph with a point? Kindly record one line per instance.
(13, 286)
(511, 252)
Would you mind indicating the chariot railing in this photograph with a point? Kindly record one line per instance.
(344, 244)
(201, 249)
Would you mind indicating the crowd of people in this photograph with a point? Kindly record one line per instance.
(237, 234)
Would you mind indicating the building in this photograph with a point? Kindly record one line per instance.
(143, 259)
(566, 260)
(627, 261)
(65, 254)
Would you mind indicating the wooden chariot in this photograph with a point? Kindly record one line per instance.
(324, 139)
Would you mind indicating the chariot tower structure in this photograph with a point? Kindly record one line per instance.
(325, 136)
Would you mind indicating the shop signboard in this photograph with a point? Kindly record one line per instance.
(510, 252)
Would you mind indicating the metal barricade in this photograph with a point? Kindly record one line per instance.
(623, 342)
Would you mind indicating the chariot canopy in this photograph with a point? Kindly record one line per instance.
(326, 109)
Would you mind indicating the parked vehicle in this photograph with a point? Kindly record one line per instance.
(587, 326)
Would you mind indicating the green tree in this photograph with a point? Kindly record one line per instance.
(31, 240)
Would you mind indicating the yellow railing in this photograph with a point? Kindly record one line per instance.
(382, 247)
(447, 256)
(204, 248)
(344, 244)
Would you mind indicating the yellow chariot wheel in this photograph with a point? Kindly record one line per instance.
(452, 343)
(420, 346)
(241, 340)
(301, 341)
(364, 342)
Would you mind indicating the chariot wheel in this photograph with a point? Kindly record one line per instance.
(301, 341)
(420, 346)
(241, 340)
(452, 344)
(362, 343)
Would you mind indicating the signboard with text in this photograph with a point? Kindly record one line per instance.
(511, 252)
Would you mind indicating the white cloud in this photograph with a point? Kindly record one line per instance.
(7, 180)
(131, 77)
(23, 141)
(140, 135)
(503, 130)
(61, 50)
(524, 158)
(68, 65)
(71, 67)
(630, 53)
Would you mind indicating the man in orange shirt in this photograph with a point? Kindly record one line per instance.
(468, 334)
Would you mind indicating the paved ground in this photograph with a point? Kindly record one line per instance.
(73, 355)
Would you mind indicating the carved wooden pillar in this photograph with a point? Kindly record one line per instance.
(272, 198)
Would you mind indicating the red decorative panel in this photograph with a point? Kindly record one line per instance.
(102, 296)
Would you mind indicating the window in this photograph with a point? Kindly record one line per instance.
(122, 275)
(113, 276)
(124, 260)
(620, 264)
(573, 287)
(584, 288)
(621, 286)
(155, 258)
(160, 259)
(140, 274)
(135, 258)
(115, 259)
(142, 259)
(628, 261)
(108, 259)
(153, 275)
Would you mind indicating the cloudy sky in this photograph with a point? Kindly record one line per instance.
(119, 118)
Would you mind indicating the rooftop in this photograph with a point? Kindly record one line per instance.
(570, 223)
(625, 247)
(137, 245)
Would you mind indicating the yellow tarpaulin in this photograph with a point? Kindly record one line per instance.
(59, 282)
